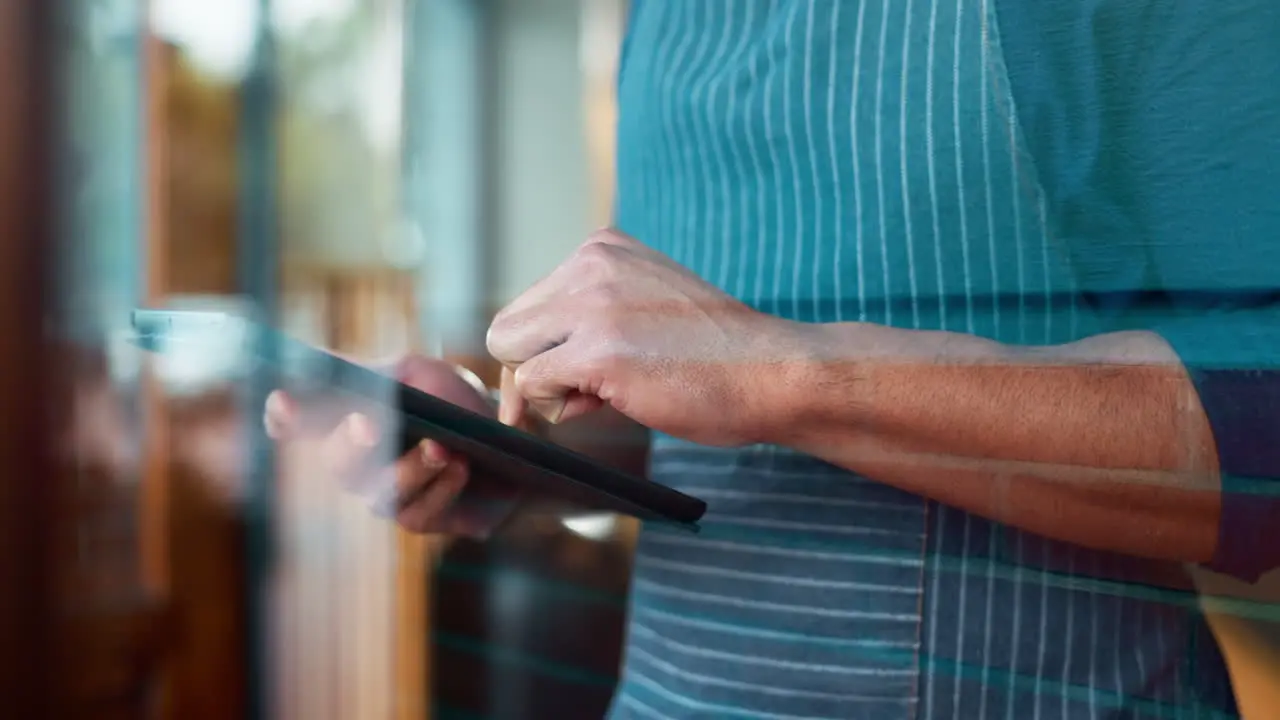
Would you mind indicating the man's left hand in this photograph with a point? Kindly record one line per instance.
(619, 323)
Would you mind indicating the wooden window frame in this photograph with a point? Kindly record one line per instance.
(31, 514)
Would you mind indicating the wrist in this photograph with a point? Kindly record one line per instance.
(825, 376)
(783, 384)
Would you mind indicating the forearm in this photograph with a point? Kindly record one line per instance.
(1101, 442)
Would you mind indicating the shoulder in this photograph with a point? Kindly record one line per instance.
(1120, 51)
(1151, 84)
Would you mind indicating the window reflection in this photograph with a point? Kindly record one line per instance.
(101, 206)
(435, 158)
(103, 193)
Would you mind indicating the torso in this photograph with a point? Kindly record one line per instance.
(829, 161)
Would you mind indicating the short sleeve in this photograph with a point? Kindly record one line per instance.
(1155, 127)
(1200, 142)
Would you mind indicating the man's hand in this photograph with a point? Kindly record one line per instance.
(618, 323)
(420, 489)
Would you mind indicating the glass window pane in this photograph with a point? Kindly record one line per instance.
(102, 208)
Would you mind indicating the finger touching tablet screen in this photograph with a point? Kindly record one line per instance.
(534, 466)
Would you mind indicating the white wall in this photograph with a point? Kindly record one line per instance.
(525, 106)
(542, 205)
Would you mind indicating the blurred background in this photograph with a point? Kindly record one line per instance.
(375, 176)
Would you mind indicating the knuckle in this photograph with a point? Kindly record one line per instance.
(602, 235)
(495, 336)
(604, 297)
(524, 378)
(599, 258)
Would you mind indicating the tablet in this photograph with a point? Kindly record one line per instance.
(538, 468)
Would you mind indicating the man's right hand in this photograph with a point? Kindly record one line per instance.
(420, 489)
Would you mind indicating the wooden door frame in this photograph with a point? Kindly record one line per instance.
(154, 491)
(31, 516)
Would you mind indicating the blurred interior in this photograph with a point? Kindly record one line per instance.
(377, 176)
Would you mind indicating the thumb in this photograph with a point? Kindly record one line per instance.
(558, 385)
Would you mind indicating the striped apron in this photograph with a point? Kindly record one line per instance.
(828, 160)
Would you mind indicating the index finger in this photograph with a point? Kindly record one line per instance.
(512, 407)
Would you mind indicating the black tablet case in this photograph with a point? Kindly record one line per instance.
(526, 462)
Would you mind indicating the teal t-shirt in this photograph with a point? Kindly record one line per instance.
(1033, 173)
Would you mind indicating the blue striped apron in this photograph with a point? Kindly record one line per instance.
(860, 160)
